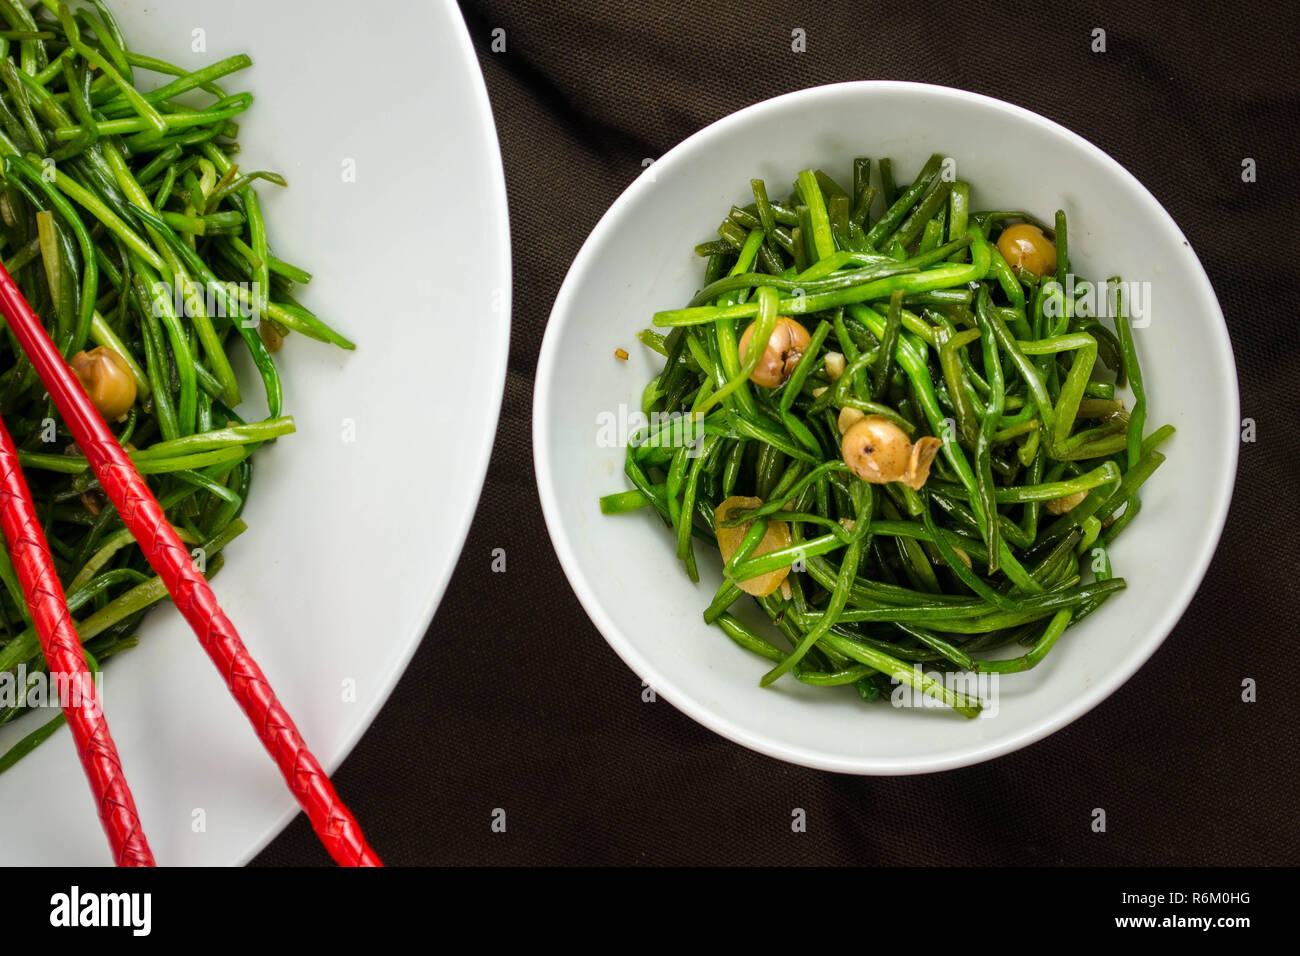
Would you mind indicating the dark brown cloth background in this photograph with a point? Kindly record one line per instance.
(515, 702)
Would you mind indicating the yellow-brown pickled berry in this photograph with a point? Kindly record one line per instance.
(1024, 246)
(878, 451)
(784, 349)
(107, 379)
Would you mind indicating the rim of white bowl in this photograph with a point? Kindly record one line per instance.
(978, 752)
(475, 459)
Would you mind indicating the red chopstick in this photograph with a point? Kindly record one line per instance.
(63, 654)
(330, 818)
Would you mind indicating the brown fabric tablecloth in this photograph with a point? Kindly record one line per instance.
(515, 702)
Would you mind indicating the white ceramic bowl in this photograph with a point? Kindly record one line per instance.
(639, 259)
(356, 521)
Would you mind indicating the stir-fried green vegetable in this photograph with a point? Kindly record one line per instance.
(135, 234)
(900, 430)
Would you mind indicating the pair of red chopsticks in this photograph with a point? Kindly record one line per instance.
(140, 511)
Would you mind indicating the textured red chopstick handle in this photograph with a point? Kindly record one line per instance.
(194, 599)
(140, 511)
(62, 648)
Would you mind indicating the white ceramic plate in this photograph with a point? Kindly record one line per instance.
(351, 543)
(639, 259)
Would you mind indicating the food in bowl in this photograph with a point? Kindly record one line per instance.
(898, 420)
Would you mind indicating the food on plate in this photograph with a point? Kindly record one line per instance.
(136, 232)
